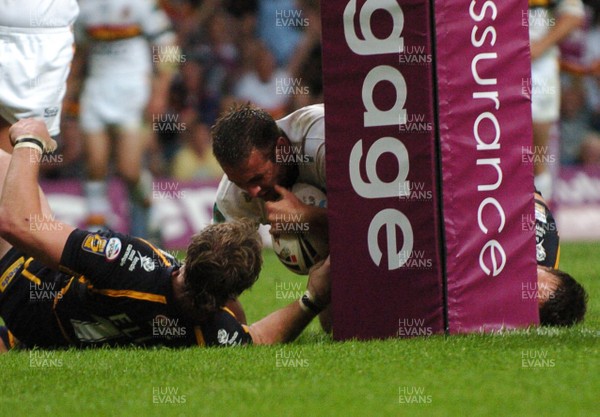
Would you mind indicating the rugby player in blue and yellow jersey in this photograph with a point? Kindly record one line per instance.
(61, 286)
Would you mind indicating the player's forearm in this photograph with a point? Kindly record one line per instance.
(20, 201)
(281, 326)
(565, 24)
(25, 219)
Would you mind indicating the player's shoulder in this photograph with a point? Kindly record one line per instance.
(305, 123)
(307, 114)
(223, 329)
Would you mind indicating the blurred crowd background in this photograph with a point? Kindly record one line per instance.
(268, 52)
(264, 51)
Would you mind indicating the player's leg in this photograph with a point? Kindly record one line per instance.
(545, 106)
(541, 171)
(97, 148)
(130, 149)
(33, 77)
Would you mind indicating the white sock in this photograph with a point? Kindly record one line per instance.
(97, 198)
(543, 182)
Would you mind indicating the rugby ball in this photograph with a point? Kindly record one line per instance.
(300, 250)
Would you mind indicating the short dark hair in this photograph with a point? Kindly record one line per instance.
(222, 261)
(566, 306)
(240, 129)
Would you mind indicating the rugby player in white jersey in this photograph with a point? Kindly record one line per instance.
(36, 49)
(262, 158)
(121, 39)
(550, 21)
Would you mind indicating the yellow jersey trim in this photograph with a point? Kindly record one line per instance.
(10, 273)
(138, 295)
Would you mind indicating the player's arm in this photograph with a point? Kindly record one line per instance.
(570, 15)
(25, 220)
(165, 55)
(290, 209)
(286, 324)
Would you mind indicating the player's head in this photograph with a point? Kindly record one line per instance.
(247, 142)
(222, 261)
(561, 300)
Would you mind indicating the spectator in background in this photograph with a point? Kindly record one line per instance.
(279, 27)
(575, 131)
(215, 55)
(264, 84)
(274, 88)
(118, 88)
(592, 62)
(548, 25)
(195, 160)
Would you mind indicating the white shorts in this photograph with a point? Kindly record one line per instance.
(34, 66)
(545, 89)
(111, 101)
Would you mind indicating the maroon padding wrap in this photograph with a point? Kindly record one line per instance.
(483, 76)
(382, 285)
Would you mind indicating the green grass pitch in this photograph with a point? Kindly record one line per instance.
(473, 375)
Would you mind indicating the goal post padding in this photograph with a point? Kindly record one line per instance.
(428, 209)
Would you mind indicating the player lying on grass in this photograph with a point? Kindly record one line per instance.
(114, 289)
(262, 158)
(561, 300)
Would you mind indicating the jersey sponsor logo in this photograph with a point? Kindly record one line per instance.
(540, 213)
(135, 257)
(95, 244)
(540, 252)
(147, 263)
(224, 339)
(50, 111)
(113, 248)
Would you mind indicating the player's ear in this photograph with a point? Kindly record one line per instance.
(282, 141)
